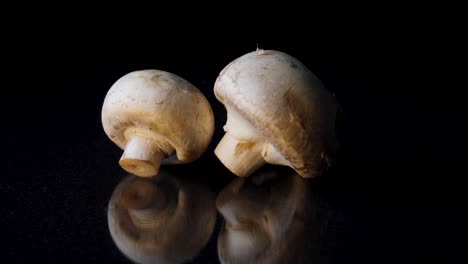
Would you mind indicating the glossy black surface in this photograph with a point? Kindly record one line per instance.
(395, 195)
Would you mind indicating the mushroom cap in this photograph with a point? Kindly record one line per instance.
(285, 102)
(162, 105)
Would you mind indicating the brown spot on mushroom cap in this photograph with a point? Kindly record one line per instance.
(263, 52)
(156, 77)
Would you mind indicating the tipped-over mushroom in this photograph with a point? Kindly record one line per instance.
(269, 218)
(163, 220)
(278, 112)
(151, 114)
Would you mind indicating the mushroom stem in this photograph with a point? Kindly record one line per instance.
(246, 242)
(144, 200)
(273, 156)
(229, 214)
(143, 216)
(141, 194)
(142, 157)
(240, 157)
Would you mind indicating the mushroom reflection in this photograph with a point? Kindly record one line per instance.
(166, 219)
(269, 218)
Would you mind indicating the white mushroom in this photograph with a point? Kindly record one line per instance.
(161, 220)
(278, 112)
(151, 114)
(268, 221)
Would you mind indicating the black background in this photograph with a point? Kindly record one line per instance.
(399, 180)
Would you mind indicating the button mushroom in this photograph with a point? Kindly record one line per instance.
(278, 112)
(151, 114)
(269, 221)
(164, 219)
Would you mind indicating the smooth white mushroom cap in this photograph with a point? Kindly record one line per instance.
(278, 112)
(153, 113)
